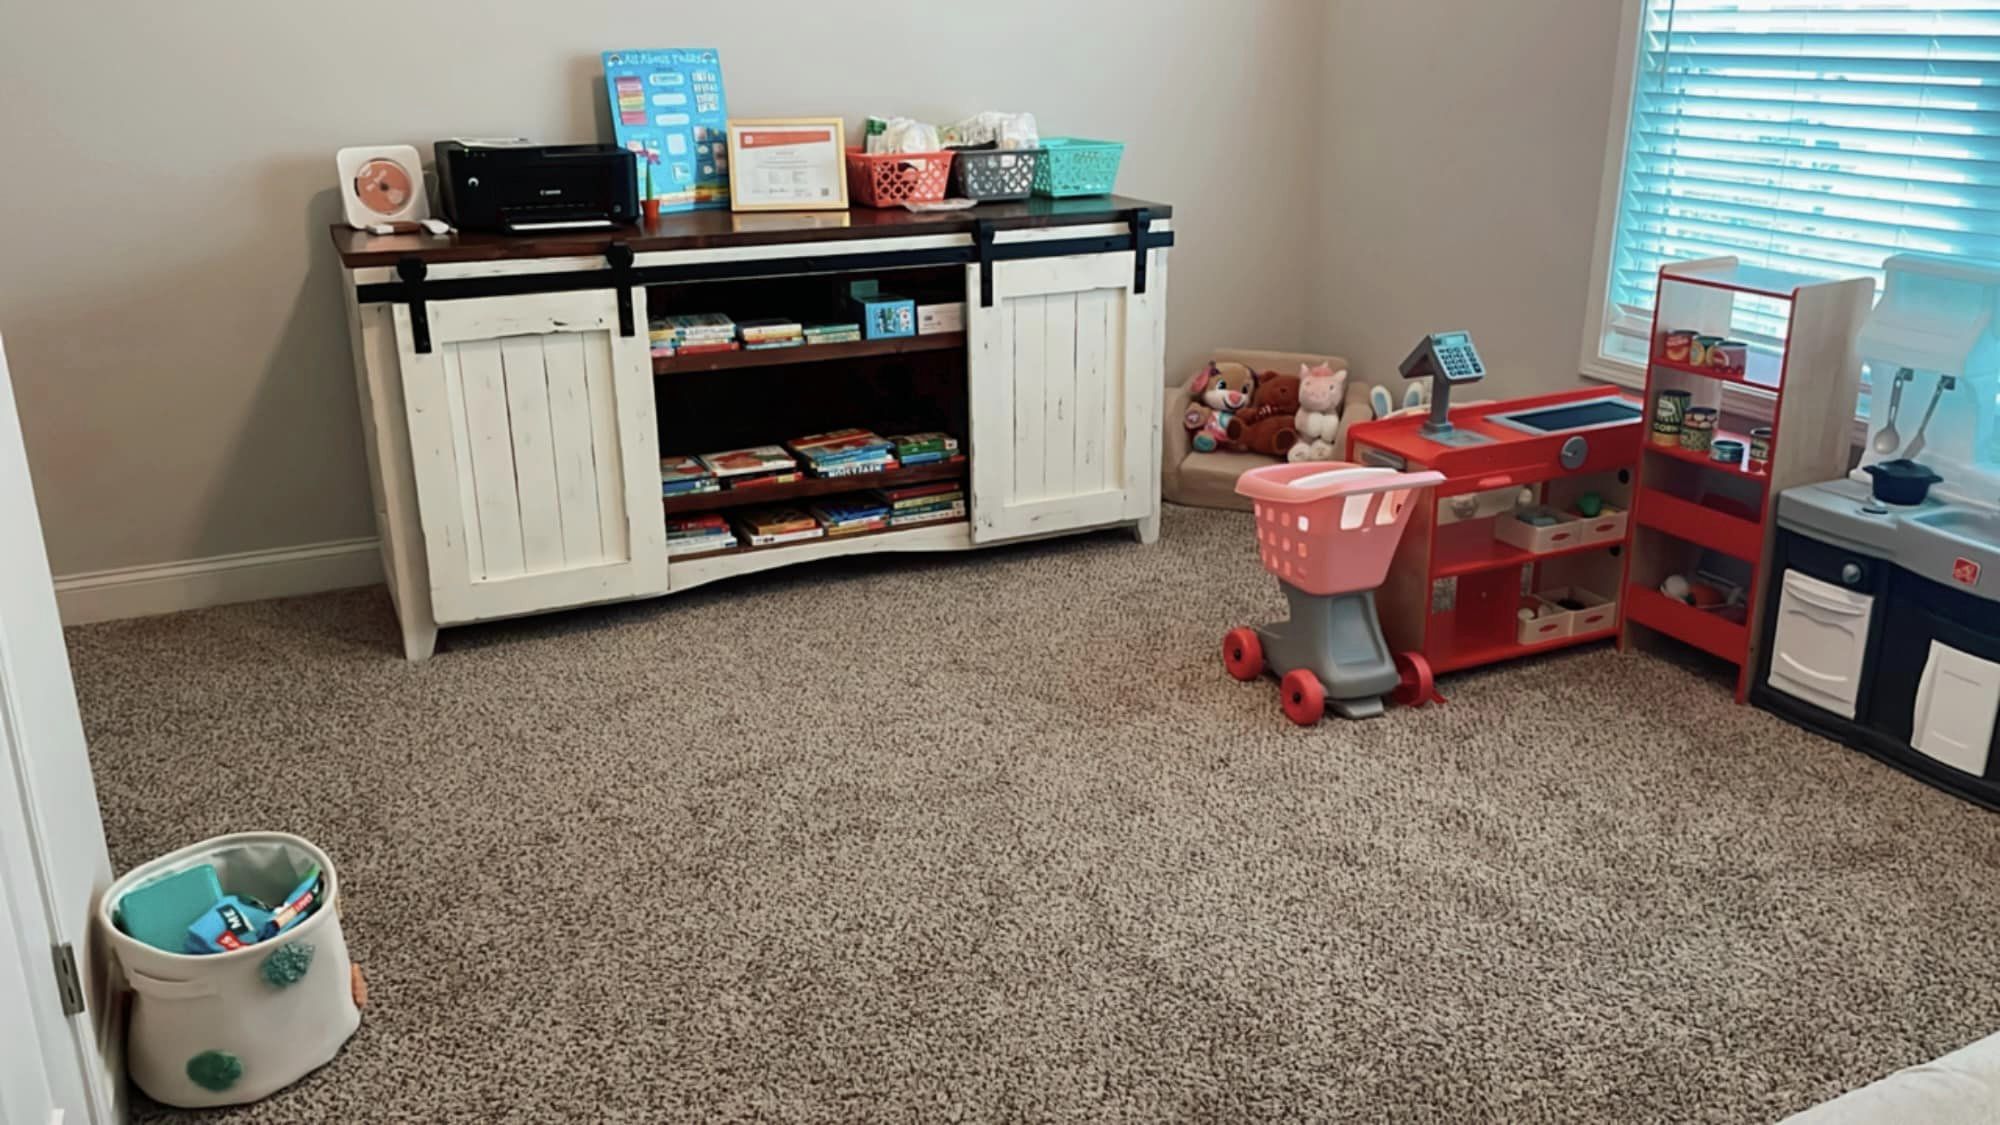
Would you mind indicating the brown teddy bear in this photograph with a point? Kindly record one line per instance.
(1269, 424)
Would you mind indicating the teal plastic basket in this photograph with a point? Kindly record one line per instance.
(1073, 166)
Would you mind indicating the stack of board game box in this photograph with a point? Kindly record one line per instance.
(686, 476)
(756, 467)
(847, 333)
(926, 448)
(773, 332)
(851, 515)
(698, 535)
(924, 503)
(845, 453)
(767, 527)
(692, 334)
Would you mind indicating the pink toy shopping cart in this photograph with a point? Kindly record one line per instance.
(1327, 531)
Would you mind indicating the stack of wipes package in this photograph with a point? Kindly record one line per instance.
(1001, 130)
(901, 134)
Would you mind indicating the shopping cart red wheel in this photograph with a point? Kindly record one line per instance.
(1243, 654)
(1417, 686)
(1303, 697)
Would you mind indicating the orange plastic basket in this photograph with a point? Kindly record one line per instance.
(1331, 527)
(891, 179)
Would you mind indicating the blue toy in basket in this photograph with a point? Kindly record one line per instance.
(160, 912)
(1327, 532)
(230, 924)
(235, 922)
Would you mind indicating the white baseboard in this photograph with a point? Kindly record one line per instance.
(143, 591)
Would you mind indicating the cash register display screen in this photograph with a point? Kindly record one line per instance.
(1561, 418)
(1454, 340)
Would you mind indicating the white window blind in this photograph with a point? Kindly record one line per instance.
(1812, 136)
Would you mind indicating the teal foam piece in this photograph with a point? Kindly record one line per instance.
(160, 912)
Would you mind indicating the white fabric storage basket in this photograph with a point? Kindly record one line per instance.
(218, 1029)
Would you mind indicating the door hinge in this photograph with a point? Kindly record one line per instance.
(982, 252)
(413, 271)
(68, 982)
(1142, 225)
(619, 255)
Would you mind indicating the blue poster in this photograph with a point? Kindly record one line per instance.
(667, 108)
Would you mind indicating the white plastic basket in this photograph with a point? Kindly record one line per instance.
(199, 1019)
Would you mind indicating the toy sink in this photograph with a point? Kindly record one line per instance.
(1966, 524)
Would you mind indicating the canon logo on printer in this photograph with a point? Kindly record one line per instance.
(550, 191)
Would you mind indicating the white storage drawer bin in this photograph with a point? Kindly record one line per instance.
(1565, 533)
(1548, 624)
(1607, 527)
(1598, 614)
(219, 1029)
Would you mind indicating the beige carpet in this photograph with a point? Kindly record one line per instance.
(994, 838)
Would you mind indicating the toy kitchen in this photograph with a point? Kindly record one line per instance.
(1884, 610)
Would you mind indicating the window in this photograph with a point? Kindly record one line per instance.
(1812, 136)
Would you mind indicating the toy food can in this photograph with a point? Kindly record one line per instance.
(1677, 343)
(1729, 357)
(1698, 428)
(1698, 351)
(1760, 447)
(1667, 414)
(1726, 451)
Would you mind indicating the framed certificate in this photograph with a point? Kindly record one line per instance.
(788, 164)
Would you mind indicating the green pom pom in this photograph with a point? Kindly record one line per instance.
(215, 1070)
(287, 967)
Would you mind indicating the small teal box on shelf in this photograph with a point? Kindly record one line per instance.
(883, 316)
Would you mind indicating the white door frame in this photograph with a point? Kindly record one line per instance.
(26, 1094)
(53, 862)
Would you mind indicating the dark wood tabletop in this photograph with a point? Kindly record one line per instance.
(700, 230)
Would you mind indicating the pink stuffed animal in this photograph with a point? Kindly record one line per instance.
(1321, 391)
(1219, 392)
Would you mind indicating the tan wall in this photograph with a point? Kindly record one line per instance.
(171, 308)
(1460, 183)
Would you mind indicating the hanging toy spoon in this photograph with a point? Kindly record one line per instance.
(1888, 440)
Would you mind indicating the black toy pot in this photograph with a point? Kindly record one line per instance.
(1901, 481)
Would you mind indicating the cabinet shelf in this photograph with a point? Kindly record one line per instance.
(1704, 526)
(1474, 550)
(1705, 630)
(805, 353)
(1477, 655)
(1761, 369)
(1694, 457)
(810, 487)
(822, 541)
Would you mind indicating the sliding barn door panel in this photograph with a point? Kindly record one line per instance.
(1066, 398)
(535, 448)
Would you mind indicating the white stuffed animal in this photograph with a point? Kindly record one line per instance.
(1321, 390)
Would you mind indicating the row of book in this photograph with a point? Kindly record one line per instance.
(834, 518)
(842, 453)
(702, 333)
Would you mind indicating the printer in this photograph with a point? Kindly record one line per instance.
(518, 187)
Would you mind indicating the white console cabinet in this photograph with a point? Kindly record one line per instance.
(515, 419)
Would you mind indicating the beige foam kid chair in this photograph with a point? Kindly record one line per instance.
(1208, 480)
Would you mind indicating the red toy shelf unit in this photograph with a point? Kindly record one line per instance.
(1466, 567)
(1709, 520)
